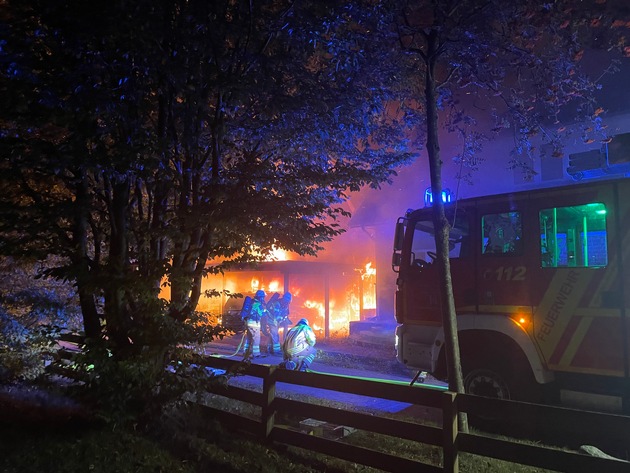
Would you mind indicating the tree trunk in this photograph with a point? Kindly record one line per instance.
(186, 277)
(91, 323)
(442, 228)
(117, 317)
(195, 293)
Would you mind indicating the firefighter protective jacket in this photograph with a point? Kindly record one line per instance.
(298, 339)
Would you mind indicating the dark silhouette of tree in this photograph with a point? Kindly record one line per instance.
(144, 139)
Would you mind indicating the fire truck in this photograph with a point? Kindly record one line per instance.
(541, 282)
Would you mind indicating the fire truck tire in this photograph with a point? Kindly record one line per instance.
(502, 382)
(503, 373)
(488, 383)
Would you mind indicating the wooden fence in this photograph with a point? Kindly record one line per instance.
(556, 426)
(552, 426)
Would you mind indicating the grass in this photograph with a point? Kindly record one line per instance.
(35, 449)
(32, 449)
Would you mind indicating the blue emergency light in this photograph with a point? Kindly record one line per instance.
(428, 197)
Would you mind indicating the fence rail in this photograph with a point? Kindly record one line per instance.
(558, 426)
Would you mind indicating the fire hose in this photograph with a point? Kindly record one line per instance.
(240, 344)
(238, 348)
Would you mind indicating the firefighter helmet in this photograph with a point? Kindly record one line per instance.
(302, 322)
(260, 294)
(287, 296)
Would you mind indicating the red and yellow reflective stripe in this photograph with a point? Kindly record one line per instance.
(558, 305)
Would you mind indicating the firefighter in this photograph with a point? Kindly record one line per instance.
(252, 325)
(284, 323)
(298, 348)
(277, 316)
(269, 327)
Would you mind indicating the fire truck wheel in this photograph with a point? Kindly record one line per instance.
(486, 382)
(500, 372)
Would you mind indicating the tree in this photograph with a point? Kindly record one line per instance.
(142, 141)
(517, 63)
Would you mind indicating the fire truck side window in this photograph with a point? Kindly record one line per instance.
(502, 234)
(573, 236)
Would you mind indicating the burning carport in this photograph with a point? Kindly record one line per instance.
(328, 295)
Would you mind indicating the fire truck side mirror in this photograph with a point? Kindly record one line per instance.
(399, 236)
(396, 259)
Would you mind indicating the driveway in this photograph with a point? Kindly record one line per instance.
(339, 357)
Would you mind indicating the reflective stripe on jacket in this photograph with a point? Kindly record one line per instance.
(258, 310)
(298, 339)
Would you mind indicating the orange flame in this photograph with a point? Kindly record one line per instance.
(338, 317)
(315, 305)
(368, 272)
(368, 276)
(349, 298)
(278, 254)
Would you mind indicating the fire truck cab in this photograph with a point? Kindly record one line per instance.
(540, 281)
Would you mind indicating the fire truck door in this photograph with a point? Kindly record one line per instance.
(576, 287)
(422, 300)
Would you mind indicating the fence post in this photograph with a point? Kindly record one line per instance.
(268, 415)
(450, 432)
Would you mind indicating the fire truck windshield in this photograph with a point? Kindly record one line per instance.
(423, 243)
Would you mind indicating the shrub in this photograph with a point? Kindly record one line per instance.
(24, 352)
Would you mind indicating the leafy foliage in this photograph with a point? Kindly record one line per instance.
(193, 131)
(23, 352)
(144, 140)
(32, 313)
(136, 387)
(515, 68)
